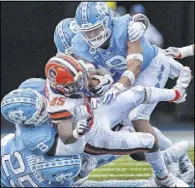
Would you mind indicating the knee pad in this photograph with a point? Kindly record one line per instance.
(138, 89)
(147, 140)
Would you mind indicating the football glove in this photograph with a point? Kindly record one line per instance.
(105, 83)
(113, 92)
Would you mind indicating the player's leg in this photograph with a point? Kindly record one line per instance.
(156, 75)
(126, 101)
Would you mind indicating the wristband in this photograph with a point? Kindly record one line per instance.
(75, 134)
(119, 86)
(186, 51)
(134, 56)
(130, 75)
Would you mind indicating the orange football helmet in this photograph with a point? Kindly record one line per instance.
(67, 75)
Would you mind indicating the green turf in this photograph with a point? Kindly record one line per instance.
(126, 168)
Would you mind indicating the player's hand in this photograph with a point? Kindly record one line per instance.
(135, 30)
(105, 83)
(173, 52)
(184, 78)
(180, 95)
(182, 83)
(89, 163)
(80, 112)
(83, 127)
(142, 18)
(113, 92)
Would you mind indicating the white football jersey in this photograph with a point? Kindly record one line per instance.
(61, 107)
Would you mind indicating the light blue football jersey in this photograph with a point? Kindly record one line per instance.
(39, 138)
(18, 166)
(114, 58)
(18, 154)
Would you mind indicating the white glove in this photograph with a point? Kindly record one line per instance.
(182, 83)
(184, 78)
(141, 18)
(88, 164)
(105, 83)
(95, 102)
(80, 112)
(135, 30)
(83, 127)
(180, 95)
(173, 52)
(113, 92)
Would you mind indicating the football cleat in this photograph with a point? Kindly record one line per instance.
(186, 169)
(171, 181)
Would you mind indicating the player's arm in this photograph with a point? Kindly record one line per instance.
(65, 131)
(134, 57)
(134, 63)
(100, 80)
(69, 130)
(180, 53)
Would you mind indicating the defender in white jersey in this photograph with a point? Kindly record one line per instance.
(104, 40)
(75, 119)
(65, 47)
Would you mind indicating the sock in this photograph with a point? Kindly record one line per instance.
(164, 142)
(154, 95)
(156, 160)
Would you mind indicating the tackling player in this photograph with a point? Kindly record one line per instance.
(25, 155)
(62, 38)
(105, 41)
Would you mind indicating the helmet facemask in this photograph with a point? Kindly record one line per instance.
(68, 50)
(77, 88)
(96, 34)
(41, 115)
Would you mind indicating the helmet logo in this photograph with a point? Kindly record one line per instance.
(17, 116)
(102, 8)
(73, 26)
(64, 177)
(52, 75)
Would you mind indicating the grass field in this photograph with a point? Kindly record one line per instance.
(126, 168)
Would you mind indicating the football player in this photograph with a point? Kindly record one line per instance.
(106, 41)
(67, 82)
(26, 159)
(63, 35)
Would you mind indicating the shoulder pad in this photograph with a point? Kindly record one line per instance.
(81, 48)
(37, 84)
(120, 30)
(40, 138)
(120, 24)
(79, 44)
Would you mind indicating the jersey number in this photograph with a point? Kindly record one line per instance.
(59, 101)
(113, 62)
(16, 171)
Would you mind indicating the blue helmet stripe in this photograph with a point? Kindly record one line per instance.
(84, 17)
(18, 100)
(61, 34)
